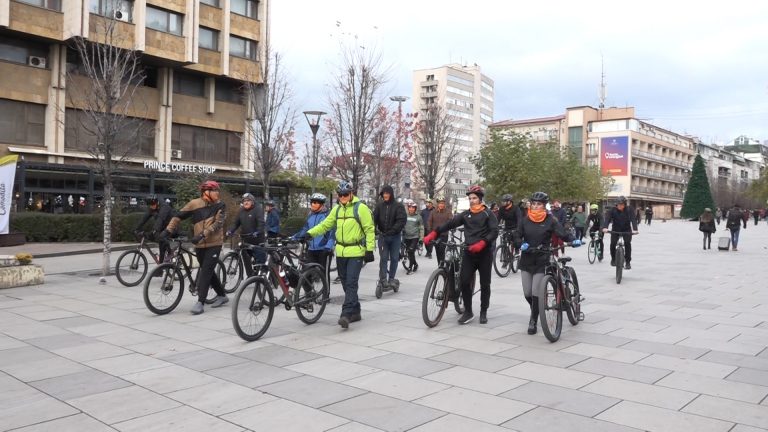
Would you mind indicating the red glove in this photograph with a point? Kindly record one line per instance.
(476, 247)
(429, 238)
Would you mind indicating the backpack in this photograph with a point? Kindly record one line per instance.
(356, 213)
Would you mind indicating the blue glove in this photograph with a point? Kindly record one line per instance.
(576, 243)
(524, 247)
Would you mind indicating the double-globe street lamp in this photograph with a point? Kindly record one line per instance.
(313, 118)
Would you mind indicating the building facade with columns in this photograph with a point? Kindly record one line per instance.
(195, 55)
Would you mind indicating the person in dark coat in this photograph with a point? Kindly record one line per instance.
(162, 214)
(389, 218)
(273, 219)
(250, 222)
(425, 213)
(622, 218)
(733, 223)
(707, 226)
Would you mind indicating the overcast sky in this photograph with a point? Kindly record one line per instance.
(693, 68)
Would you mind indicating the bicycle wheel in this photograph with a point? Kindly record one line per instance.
(407, 263)
(502, 261)
(619, 264)
(163, 289)
(550, 312)
(233, 267)
(311, 295)
(253, 308)
(131, 268)
(573, 306)
(458, 299)
(435, 299)
(592, 251)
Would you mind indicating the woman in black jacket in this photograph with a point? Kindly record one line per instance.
(707, 226)
(480, 231)
(536, 230)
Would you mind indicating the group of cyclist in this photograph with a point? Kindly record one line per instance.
(348, 231)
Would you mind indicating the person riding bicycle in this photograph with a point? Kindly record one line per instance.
(355, 241)
(623, 219)
(439, 216)
(273, 219)
(162, 214)
(250, 221)
(208, 213)
(425, 213)
(480, 231)
(389, 217)
(537, 230)
(595, 222)
(320, 248)
(412, 233)
(509, 216)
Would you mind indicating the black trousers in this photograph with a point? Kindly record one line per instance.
(429, 248)
(707, 240)
(412, 245)
(480, 262)
(627, 247)
(322, 257)
(440, 251)
(206, 274)
(165, 247)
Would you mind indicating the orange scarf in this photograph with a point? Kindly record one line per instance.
(477, 208)
(537, 215)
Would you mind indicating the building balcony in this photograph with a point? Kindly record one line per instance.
(248, 28)
(657, 191)
(38, 21)
(210, 16)
(659, 158)
(428, 94)
(591, 154)
(658, 175)
(208, 61)
(165, 45)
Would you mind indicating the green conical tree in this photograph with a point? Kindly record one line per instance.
(698, 196)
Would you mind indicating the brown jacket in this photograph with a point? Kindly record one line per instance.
(207, 219)
(437, 218)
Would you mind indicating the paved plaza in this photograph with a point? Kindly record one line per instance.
(680, 345)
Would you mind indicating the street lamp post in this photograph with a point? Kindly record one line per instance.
(313, 118)
(399, 100)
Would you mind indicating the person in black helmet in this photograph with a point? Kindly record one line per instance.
(250, 221)
(622, 218)
(162, 214)
(480, 231)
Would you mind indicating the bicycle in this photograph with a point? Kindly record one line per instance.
(165, 286)
(559, 290)
(408, 265)
(443, 284)
(234, 263)
(304, 288)
(594, 250)
(131, 267)
(505, 257)
(620, 254)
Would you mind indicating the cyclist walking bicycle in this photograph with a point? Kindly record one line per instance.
(355, 240)
(320, 248)
(162, 214)
(389, 219)
(273, 219)
(208, 213)
(425, 213)
(533, 237)
(250, 221)
(480, 231)
(622, 219)
(412, 233)
(595, 223)
(439, 216)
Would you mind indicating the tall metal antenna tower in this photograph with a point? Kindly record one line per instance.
(603, 91)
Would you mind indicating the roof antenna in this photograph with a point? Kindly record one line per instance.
(603, 92)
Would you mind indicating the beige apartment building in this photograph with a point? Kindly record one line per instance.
(650, 165)
(196, 56)
(466, 95)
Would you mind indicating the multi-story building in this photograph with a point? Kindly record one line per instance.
(466, 97)
(196, 56)
(649, 165)
(730, 171)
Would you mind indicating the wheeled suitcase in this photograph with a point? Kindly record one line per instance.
(724, 243)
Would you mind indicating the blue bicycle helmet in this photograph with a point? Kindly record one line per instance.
(318, 197)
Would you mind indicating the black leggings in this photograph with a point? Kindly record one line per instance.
(411, 245)
(480, 262)
(707, 240)
(322, 257)
(206, 276)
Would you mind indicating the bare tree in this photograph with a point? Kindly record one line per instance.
(103, 88)
(354, 103)
(435, 149)
(381, 161)
(273, 119)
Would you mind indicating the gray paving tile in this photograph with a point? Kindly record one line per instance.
(77, 422)
(626, 371)
(724, 388)
(127, 364)
(205, 359)
(169, 379)
(354, 427)
(42, 369)
(414, 348)
(220, 397)
(331, 369)
(547, 357)
(479, 361)
(561, 398)
(79, 384)
(405, 364)
(7, 342)
(348, 352)
(678, 351)
(475, 405)
(91, 351)
(730, 411)
(181, 419)
(535, 341)
(649, 394)
(252, 374)
(77, 321)
(655, 419)
(593, 338)
(454, 423)
(607, 353)
(744, 428)
(383, 412)
(545, 418)
(550, 375)
(35, 408)
(311, 391)
(749, 376)
(396, 385)
(473, 379)
(284, 415)
(697, 367)
(277, 355)
(24, 354)
(122, 404)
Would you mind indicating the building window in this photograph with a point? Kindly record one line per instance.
(135, 137)
(22, 122)
(240, 47)
(47, 4)
(214, 3)
(188, 84)
(212, 145)
(209, 39)
(249, 8)
(229, 91)
(118, 9)
(23, 52)
(164, 21)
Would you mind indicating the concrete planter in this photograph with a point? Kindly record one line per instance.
(21, 275)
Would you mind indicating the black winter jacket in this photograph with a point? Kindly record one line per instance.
(623, 221)
(509, 217)
(162, 217)
(477, 226)
(389, 216)
(251, 224)
(537, 234)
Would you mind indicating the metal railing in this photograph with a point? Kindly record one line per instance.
(655, 157)
(658, 175)
(657, 191)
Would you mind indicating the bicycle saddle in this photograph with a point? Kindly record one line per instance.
(564, 259)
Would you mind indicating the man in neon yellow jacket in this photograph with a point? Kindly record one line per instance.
(355, 241)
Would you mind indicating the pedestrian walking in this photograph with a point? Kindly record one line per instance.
(707, 226)
(425, 213)
(733, 223)
(718, 215)
(648, 215)
(579, 222)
